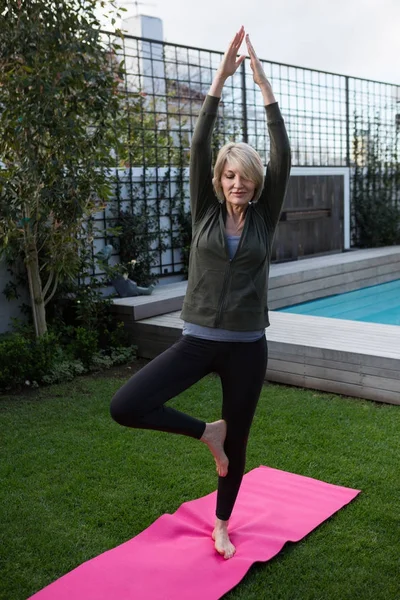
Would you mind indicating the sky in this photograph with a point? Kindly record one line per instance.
(360, 38)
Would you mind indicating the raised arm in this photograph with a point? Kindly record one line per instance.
(201, 190)
(278, 169)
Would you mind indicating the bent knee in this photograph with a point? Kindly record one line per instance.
(115, 411)
(119, 411)
(124, 412)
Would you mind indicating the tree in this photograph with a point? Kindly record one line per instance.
(60, 108)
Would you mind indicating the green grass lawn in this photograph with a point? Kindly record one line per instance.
(74, 484)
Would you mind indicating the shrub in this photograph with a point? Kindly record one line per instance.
(56, 356)
(376, 184)
(65, 370)
(85, 345)
(22, 358)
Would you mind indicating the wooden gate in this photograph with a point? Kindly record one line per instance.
(313, 219)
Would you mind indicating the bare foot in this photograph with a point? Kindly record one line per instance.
(223, 544)
(214, 436)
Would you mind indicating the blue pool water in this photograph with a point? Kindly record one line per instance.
(375, 304)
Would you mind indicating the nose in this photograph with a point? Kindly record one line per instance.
(238, 182)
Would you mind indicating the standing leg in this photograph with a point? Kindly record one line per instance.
(242, 376)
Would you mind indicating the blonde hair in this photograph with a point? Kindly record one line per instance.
(244, 158)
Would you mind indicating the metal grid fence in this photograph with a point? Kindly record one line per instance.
(332, 120)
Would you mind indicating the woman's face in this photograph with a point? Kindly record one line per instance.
(237, 189)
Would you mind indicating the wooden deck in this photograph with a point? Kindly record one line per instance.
(289, 283)
(344, 357)
(333, 355)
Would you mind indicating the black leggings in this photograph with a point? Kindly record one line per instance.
(241, 367)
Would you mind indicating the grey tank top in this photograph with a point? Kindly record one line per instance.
(223, 335)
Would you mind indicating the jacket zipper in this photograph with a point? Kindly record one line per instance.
(222, 301)
(222, 297)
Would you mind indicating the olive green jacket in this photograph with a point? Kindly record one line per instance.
(224, 293)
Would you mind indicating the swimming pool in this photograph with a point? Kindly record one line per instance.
(374, 304)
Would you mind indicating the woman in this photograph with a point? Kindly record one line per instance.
(225, 308)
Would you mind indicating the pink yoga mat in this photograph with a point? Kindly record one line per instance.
(174, 558)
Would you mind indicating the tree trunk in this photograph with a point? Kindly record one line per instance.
(35, 289)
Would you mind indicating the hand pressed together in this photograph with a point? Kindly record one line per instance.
(231, 62)
(259, 75)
